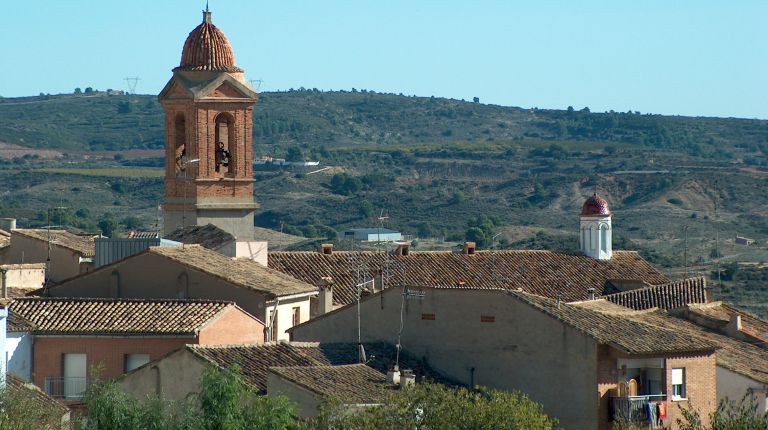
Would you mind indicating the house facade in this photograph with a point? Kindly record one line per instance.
(74, 337)
(70, 254)
(517, 341)
(194, 272)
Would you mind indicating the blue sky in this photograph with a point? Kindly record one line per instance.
(700, 58)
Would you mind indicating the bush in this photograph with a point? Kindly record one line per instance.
(729, 415)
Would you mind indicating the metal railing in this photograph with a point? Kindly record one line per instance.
(632, 409)
(66, 388)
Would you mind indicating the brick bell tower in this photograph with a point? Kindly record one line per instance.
(208, 137)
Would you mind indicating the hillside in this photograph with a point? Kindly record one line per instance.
(441, 169)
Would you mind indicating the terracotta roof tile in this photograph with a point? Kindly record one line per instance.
(84, 245)
(208, 236)
(544, 273)
(206, 48)
(255, 360)
(751, 324)
(355, 383)
(84, 316)
(615, 329)
(736, 355)
(5, 239)
(244, 272)
(673, 295)
(39, 398)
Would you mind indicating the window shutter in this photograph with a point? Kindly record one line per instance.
(677, 376)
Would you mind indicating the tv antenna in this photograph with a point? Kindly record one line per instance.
(132, 82)
(256, 83)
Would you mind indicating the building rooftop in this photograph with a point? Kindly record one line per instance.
(35, 395)
(208, 236)
(613, 327)
(89, 316)
(5, 239)
(672, 295)
(545, 273)
(352, 383)
(372, 230)
(83, 245)
(255, 360)
(737, 355)
(244, 272)
(595, 206)
(206, 48)
(751, 325)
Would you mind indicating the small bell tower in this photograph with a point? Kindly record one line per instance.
(595, 229)
(208, 137)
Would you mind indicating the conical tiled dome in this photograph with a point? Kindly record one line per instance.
(207, 48)
(595, 206)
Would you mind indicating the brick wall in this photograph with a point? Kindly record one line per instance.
(700, 386)
(607, 382)
(107, 352)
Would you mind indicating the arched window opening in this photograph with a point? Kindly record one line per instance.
(225, 135)
(583, 239)
(180, 145)
(604, 238)
(592, 244)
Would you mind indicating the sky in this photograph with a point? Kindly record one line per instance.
(682, 57)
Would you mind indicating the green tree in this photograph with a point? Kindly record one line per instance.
(107, 224)
(22, 408)
(294, 153)
(434, 406)
(729, 415)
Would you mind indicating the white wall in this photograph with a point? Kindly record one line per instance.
(285, 314)
(18, 350)
(734, 386)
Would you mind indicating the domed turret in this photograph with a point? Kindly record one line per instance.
(595, 206)
(595, 226)
(206, 48)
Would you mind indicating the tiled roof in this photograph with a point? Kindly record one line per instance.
(255, 360)
(614, 329)
(208, 236)
(5, 239)
(751, 325)
(35, 394)
(595, 206)
(87, 316)
(673, 295)
(17, 323)
(83, 245)
(206, 48)
(544, 273)
(355, 383)
(736, 355)
(244, 272)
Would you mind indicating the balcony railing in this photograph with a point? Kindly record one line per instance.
(66, 388)
(633, 409)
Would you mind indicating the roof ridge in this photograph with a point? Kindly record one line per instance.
(120, 300)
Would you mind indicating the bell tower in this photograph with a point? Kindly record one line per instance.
(208, 137)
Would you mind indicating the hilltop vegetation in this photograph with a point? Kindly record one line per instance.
(438, 168)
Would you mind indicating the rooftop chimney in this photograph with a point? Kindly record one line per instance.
(325, 296)
(407, 378)
(326, 249)
(469, 248)
(403, 249)
(591, 292)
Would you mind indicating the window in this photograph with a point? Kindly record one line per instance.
(272, 325)
(678, 384)
(487, 318)
(224, 144)
(75, 374)
(429, 317)
(133, 361)
(296, 316)
(604, 238)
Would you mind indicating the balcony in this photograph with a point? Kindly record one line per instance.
(66, 388)
(632, 409)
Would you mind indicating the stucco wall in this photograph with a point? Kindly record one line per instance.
(733, 386)
(65, 263)
(233, 327)
(30, 276)
(107, 353)
(18, 347)
(522, 349)
(153, 276)
(285, 314)
(175, 377)
(307, 403)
